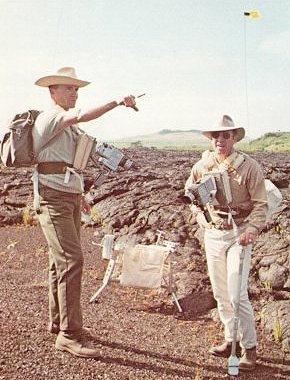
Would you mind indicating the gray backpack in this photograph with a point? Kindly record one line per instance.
(16, 147)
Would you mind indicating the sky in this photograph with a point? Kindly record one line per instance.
(195, 60)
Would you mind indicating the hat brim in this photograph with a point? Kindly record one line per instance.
(240, 131)
(52, 80)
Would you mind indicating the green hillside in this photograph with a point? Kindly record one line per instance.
(192, 139)
(270, 142)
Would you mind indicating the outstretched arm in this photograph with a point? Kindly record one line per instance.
(74, 116)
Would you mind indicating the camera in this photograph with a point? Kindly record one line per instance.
(203, 192)
(112, 157)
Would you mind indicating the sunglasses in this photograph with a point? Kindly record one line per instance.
(226, 135)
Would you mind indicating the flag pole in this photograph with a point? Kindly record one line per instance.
(247, 14)
(246, 73)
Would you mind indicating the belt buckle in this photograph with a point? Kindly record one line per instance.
(224, 226)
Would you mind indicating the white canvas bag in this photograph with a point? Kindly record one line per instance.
(143, 266)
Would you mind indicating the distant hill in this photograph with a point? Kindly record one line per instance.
(166, 139)
(192, 139)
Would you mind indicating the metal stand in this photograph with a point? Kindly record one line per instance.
(115, 264)
(170, 284)
(233, 361)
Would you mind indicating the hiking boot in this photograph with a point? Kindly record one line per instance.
(76, 347)
(248, 359)
(224, 350)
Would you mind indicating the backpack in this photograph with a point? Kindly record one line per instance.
(16, 147)
(274, 199)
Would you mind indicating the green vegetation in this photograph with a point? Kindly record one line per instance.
(278, 331)
(270, 142)
(193, 140)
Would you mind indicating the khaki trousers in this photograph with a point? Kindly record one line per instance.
(60, 220)
(223, 258)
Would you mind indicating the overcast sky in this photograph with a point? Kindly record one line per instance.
(195, 59)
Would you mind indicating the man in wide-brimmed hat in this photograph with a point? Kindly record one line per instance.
(60, 190)
(231, 222)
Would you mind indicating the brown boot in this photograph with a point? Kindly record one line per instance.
(224, 350)
(248, 359)
(76, 347)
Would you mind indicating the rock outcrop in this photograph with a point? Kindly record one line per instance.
(136, 204)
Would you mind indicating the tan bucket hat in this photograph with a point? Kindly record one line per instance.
(65, 75)
(225, 124)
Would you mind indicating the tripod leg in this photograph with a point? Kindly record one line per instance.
(176, 302)
(106, 279)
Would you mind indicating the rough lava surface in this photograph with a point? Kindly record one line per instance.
(140, 333)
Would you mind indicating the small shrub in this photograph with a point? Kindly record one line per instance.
(27, 217)
(96, 217)
(268, 285)
(278, 331)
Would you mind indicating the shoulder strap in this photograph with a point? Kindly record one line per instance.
(207, 159)
(47, 143)
(238, 160)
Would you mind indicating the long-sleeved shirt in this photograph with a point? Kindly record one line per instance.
(247, 187)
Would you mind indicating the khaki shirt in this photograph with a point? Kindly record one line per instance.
(247, 187)
(54, 143)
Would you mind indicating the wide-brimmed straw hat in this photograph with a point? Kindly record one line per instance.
(225, 124)
(65, 75)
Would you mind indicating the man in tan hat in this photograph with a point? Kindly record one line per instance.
(60, 193)
(237, 213)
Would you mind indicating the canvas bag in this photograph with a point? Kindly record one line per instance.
(143, 266)
(16, 147)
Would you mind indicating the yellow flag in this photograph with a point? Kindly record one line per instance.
(252, 14)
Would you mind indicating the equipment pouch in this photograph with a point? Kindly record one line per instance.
(85, 145)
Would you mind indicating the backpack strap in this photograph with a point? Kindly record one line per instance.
(237, 162)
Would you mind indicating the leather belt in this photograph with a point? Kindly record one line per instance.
(53, 167)
(240, 212)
